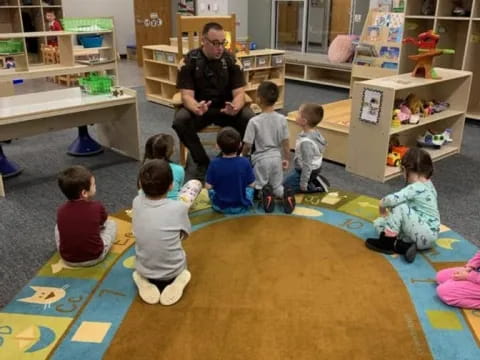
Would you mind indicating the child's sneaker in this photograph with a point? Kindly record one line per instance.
(288, 200)
(173, 292)
(321, 183)
(268, 200)
(147, 291)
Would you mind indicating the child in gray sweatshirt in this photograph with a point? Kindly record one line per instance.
(309, 149)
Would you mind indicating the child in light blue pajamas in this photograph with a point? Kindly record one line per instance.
(410, 218)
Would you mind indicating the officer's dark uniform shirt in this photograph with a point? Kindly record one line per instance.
(210, 79)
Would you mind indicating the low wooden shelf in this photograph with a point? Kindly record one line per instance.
(161, 70)
(368, 143)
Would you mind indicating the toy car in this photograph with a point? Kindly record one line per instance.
(394, 159)
(434, 140)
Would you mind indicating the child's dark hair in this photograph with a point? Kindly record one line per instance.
(159, 146)
(155, 178)
(418, 161)
(74, 180)
(313, 113)
(268, 93)
(228, 140)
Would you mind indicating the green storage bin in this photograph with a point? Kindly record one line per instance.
(94, 84)
(87, 24)
(11, 46)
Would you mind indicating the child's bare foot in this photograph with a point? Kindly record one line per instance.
(173, 292)
(147, 291)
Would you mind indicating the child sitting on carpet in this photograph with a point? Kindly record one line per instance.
(230, 178)
(159, 225)
(460, 286)
(309, 149)
(269, 132)
(83, 233)
(410, 219)
(161, 146)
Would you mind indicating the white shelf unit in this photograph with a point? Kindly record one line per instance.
(68, 64)
(368, 143)
(461, 33)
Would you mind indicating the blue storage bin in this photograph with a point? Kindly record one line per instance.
(90, 41)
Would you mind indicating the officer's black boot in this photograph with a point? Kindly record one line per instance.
(382, 244)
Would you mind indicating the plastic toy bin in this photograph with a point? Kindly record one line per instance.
(94, 84)
(90, 41)
(11, 46)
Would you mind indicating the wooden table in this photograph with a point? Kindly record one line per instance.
(116, 118)
(334, 127)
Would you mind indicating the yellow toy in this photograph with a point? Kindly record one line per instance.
(396, 119)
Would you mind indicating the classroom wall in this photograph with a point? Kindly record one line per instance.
(121, 10)
(259, 22)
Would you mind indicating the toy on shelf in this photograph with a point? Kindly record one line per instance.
(412, 109)
(396, 120)
(428, 7)
(459, 9)
(427, 48)
(435, 140)
(395, 152)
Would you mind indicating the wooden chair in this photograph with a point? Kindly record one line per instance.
(193, 26)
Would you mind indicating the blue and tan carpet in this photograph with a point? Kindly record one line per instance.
(301, 286)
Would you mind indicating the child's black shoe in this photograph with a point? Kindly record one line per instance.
(288, 200)
(268, 200)
(382, 244)
(408, 250)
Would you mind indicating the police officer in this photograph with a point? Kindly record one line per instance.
(211, 83)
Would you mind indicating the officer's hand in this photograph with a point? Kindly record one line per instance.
(230, 109)
(202, 107)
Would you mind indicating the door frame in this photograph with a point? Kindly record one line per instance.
(274, 24)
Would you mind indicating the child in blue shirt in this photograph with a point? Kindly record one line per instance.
(161, 146)
(230, 179)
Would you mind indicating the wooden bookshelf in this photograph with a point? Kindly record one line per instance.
(460, 33)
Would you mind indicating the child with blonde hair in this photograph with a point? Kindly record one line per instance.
(309, 149)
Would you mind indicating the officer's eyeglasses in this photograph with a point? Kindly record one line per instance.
(216, 43)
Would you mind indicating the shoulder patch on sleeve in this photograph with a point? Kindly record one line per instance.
(238, 63)
(181, 64)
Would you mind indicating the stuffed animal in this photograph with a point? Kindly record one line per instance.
(341, 49)
(414, 104)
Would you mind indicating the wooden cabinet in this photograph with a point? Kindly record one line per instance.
(152, 23)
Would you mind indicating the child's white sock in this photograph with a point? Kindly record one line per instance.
(173, 292)
(147, 291)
